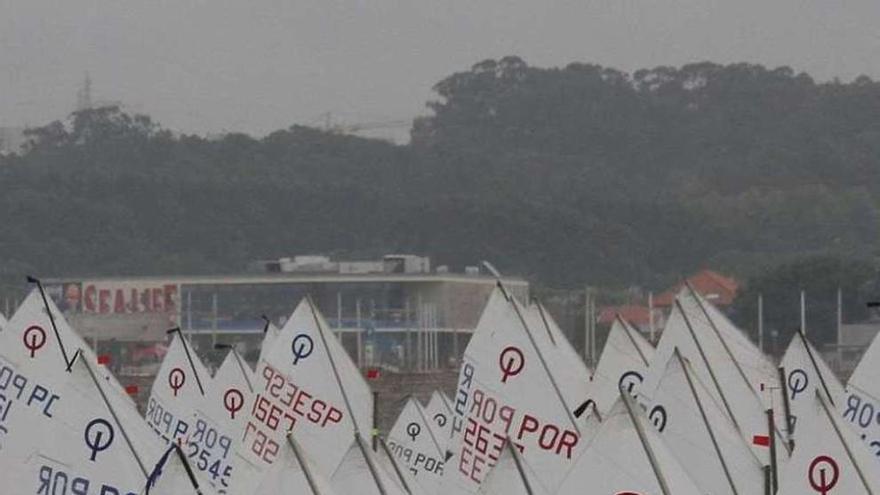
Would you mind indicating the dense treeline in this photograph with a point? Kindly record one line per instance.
(572, 175)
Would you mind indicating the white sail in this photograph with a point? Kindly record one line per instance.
(359, 472)
(179, 387)
(174, 475)
(805, 372)
(623, 365)
(505, 390)
(439, 412)
(414, 442)
(627, 456)
(700, 435)
(88, 439)
(294, 472)
(30, 337)
(828, 457)
(51, 408)
(306, 385)
(396, 469)
(512, 475)
(220, 421)
(725, 361)
(566, 366)
(3, 322)
(861, 407)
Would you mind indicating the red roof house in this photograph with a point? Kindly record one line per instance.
(716, 288)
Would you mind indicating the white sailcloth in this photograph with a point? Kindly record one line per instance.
(511, 475)
(360, 472)
(861, 408)
(623, 365)
(30, 337)
(700, 435)
(568, 369)
(413, 441)
(293, 472)
(725, 361)
(627, 456)
(307, 385)
(504, 390)
(48, 404)
(806, 372)
(178, 389)
(439, 412)
(90, 440)
(220, 422)
(828, 457)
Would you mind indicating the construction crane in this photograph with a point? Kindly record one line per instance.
(325, 122)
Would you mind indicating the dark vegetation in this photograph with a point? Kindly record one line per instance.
(568, 176)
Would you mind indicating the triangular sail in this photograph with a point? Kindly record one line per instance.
(805, 372)
(360, 472)
(566, 366)
(47, 344)
(293, 469)
(439, 412)
(707, 348)
(414, 442)
(512, 476)
(505, 390)
(623, 365)
(179, 387)
(85, 434)
(627, 456)
(861, 407)
(220, 419)
(828, 458)
(700, 435)
(308, 386)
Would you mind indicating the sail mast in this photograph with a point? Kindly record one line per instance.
(705, 359)
(519, 467)
(333, 365)
(115, 418)
(303, 463)
(644, 440)
(705, 418)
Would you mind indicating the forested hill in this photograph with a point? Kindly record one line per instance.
(565, 175)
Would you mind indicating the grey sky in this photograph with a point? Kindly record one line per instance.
(260, 65)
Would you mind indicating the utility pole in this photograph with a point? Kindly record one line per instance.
(761, 322)
(804, 312)
(587, 356)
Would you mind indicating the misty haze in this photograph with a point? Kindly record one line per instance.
(447, 247)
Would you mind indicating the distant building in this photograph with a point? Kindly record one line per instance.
(394, 312)
(716, 288)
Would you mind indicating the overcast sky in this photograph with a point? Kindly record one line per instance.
(260, 65)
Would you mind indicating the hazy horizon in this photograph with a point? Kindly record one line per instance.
(205, 67)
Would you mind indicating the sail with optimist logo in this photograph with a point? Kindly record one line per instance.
(861, 406)
(307, 385)
(700, 435)
(828, 457)
(506, 390)
(623, 365)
